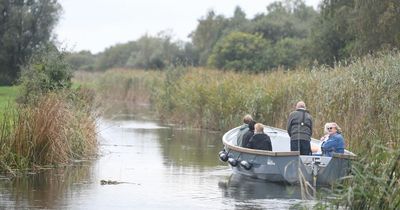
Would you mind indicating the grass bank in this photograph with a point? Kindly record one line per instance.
(362, 97)
(8, 94)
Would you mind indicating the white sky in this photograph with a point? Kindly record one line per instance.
(97, 24)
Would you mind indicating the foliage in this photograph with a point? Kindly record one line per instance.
(207, 33)
(52, 131)
(240, 51)
(8, 94)
(83, 60)
(53, 124)
(288, 53)
(355, 28)
(24, 27)
(292, 19)
(130, 86)
(47, 71)
(148, 52)
(115, 56)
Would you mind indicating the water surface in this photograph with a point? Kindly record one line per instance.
(156, 166)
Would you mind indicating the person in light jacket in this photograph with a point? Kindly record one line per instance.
(243, 129)
(334, 143)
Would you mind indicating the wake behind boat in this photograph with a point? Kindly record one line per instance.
(281, 164)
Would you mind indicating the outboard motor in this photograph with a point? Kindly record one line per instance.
(223, 156)
(246, 165)
(233, 162)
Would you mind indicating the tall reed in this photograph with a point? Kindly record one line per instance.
(54, 130)
(124, 85)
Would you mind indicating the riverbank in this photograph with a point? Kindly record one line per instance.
(362, 97)
(58, 128)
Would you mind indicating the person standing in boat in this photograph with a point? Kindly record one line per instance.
(247, 136)
(243, 129)
(260, 140)
(335, 142)
(299, 128)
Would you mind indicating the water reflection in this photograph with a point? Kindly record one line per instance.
(246, 188)
(159, 167)
(45, 189)
(194, 148)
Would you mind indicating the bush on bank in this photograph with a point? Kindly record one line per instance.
(51, 124)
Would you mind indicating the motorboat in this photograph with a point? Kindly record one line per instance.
(283, 165)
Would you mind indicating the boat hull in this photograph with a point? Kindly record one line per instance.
(284, 165)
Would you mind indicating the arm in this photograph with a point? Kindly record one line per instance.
(330, 144)
(269, 144)
(289, 125)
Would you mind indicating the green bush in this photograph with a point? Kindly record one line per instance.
(47, 71)
(240, 51)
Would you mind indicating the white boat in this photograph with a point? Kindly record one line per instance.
(281, 164)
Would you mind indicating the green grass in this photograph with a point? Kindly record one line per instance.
(8, 94)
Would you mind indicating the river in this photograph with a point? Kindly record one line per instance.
(143, 164)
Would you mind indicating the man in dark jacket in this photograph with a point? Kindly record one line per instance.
(243, 129)
(299, 128)
(260, 140)
(250, 133)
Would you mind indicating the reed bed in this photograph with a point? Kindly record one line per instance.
(124, 85)
(362, 96)
(55, 130)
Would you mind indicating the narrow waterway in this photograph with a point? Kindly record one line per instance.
(147, 165)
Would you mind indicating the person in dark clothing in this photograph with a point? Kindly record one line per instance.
(260, 140)
(299, 128)
(243, 129)
(247, 136)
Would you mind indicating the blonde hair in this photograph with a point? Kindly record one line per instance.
(259, 128)
(326, 126)
(301, 105)
(333, 124)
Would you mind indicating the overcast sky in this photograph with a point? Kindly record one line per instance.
(97, 24)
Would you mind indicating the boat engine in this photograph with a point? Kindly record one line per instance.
(246, 165)
(233, 162)
(223, 156)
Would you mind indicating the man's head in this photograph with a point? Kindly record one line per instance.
(259, 128)
(301, 105)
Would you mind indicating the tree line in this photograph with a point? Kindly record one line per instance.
(287, 34)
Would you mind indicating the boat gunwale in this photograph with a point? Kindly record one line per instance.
(230, 146)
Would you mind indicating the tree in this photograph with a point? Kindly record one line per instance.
(376, 25)
(115, 56)
(45, 71)
(25, 26)
(83, 60)
(288, 52)
(240, 51)
(354, 28)
(292, 19)
(208, 32)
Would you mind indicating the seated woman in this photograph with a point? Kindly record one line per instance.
(316, 149)
(334, 143)
(260, 140)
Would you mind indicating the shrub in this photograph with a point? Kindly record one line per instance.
(47, 71)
